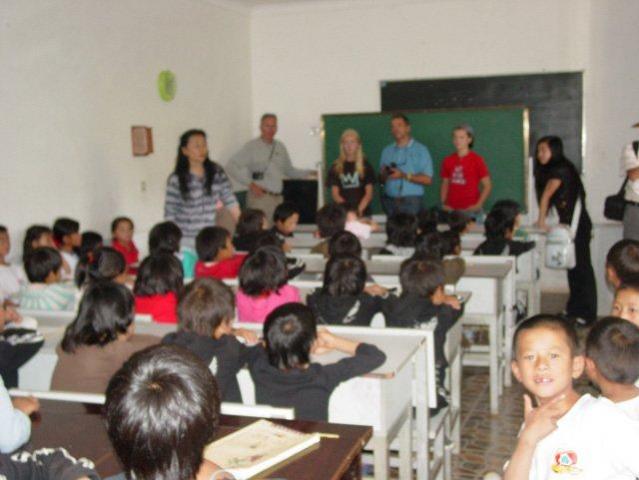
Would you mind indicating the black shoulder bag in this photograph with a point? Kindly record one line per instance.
(616, 204)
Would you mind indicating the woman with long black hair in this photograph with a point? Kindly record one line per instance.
(558, 185)
(197, 188)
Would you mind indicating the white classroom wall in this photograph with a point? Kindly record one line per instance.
(77, 74)
(312, 58)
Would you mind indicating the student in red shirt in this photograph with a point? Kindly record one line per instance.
(158, 286)
(122, 231)
(216, 254)
(465, 178)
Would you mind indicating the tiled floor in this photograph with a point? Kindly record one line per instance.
(487, 441)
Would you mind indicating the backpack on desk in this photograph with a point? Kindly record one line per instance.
(615, 205)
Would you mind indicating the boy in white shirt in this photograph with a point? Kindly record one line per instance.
(612, 362)
(565, 435)
(66, 235)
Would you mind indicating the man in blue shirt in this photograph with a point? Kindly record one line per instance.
(406, 166)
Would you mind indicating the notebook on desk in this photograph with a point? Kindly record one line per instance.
(258, 447)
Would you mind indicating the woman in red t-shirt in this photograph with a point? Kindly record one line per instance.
(465, 178)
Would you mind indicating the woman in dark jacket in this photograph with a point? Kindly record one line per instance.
(558, 185)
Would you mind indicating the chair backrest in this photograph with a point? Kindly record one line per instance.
(259, 411)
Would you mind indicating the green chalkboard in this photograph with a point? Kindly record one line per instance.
(500, 137)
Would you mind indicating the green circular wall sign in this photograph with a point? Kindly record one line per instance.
(167, 85)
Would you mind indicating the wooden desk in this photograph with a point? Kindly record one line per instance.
(81, 430)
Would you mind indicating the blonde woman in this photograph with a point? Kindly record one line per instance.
(351, 177)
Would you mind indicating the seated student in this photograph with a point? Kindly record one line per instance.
(285, 219)
(217, 257)
(166, 237)
(89, 242)
(263, 285)
(344, 243)
(14, 418)
(427, 221)
(612, 362)
(344, 298)
(45, 292)
(500, 228)
(122, 240)
(451, 243)
(251, 224)
(622, 262)
(12, 277)
(401, 231)
(158, 286)
(431, 246)
(105, 263)
(99, 340)
(162, 410)
(626, 302)
(459, 222)
(421, 302)
(565, 434)
(330, 219)
(17, 345)
(36, 236)
(66, 235)
(206, 312)
(282, 370)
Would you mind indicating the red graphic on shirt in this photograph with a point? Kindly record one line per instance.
(565, 462)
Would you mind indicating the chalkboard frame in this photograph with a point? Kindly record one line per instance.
(554, 100)
(525, 138)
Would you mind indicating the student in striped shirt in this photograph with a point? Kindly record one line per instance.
(197, 188)
(45, 292)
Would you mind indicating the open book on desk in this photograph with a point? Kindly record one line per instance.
(258, 447)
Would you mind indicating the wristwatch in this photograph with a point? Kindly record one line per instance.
(409, 177)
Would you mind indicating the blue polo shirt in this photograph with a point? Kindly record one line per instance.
(413, 158)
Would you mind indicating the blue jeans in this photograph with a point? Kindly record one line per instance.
(408, 204)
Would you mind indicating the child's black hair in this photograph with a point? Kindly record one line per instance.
(421, 277)
(450, 242)
(429, 246)
(104, 263)
(162, 409)
(623, 258)
(41, 262)
(204, 305)
(458, 221)
(159, 274)
(106, 311)
(64, 226)
(344, 275)
(552, 322)
(118, 220)
(498, 224)
(165, 237)
(613, 345)
(3, 229)
(427, 220)
(284, 211)
(330, 219)
(511, 208)
(344, 243)
(33, 234)
(91, 241)
(209, 242)
(263, 271)
(266, 238)
(289, 332)
(251, 221)
(401, 230)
